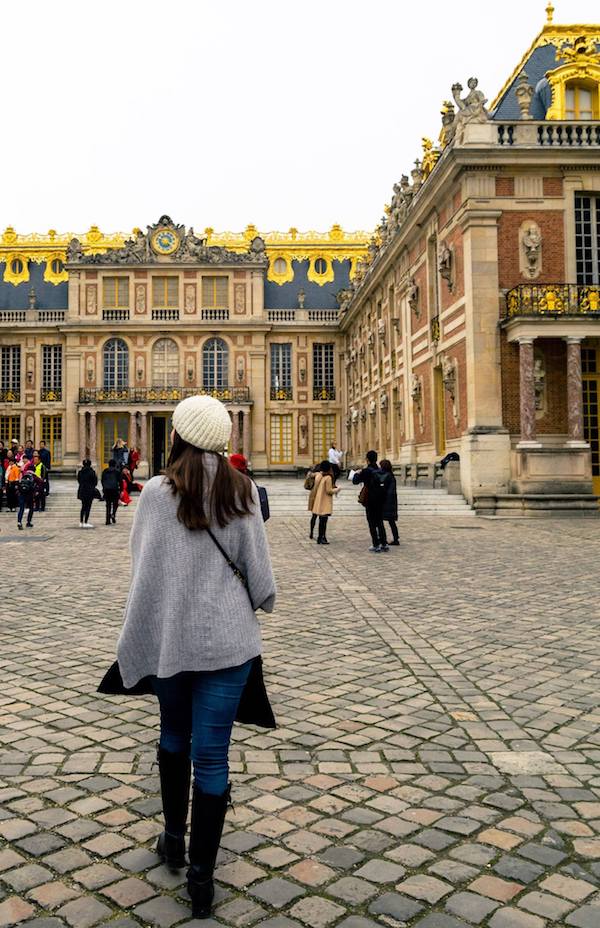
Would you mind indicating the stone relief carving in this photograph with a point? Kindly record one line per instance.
(381, 329)
(91, 299)
(383, 402)
(139, 367)
(187, 248)
(140, 298)
(531, 250)
(471, 109)
(416, 392)
(354, 415)
(90, 369)
(524, 93)
(239, 299)
(190, 368)
(240, 368)
(446, 264)
(301, 298)
(372, 408)
(347, 423)
(189, 303)
(363, 415)
(302, 431)
(302, 368)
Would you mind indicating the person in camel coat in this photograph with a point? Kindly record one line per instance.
(322, 504)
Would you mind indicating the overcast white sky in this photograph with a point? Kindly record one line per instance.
(223, 113)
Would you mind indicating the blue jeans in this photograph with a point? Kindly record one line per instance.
(25, 502)
(197, 711)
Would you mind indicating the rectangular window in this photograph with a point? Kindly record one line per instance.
(52, 435)
(323, 371)
(281, 371)
(281, 439)
(10, 427)
(215, 292)
(10, 372)
(587, 238)
(165, 292)
(115, 292)
(51, 372)
(323, 436)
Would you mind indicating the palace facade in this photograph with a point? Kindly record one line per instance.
(468, 322)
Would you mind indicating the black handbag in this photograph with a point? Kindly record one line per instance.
(254, 707)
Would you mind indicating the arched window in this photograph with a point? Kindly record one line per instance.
(214, 364)
(116, 364)
(165, 363)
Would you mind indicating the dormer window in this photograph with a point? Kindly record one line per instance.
(581, 100)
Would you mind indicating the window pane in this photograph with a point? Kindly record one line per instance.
(165, 364)
(215, 292)
(116, 365)
(214, 364)
(281, 439)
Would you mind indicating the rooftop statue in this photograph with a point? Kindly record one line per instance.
(447, 132)
(430, 157)
(470, 109)
(74, 250)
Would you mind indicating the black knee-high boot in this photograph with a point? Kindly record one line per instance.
(208, 817)
(174, 770)
(313, 522)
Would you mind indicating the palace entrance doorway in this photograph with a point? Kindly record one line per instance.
(160, 441)
(112, 426)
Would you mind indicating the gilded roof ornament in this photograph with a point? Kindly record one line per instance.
(549, 12)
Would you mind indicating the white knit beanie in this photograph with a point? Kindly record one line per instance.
(203, 422)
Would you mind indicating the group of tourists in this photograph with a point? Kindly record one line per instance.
(378, 495)
(116, 481)
(24, 479)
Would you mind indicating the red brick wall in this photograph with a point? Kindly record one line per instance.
(554, 352)
(553, 246)
(505, 186)
(553, 186)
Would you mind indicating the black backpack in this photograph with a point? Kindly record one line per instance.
(110, 480)
(27, 483)
(264, 503)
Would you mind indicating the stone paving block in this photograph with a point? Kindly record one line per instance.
(128, 892)
(427, 888)
(52, 895)
(494, 888)
(395, 906)
(575, 890)
(14, 910)
(96, 875)
(27, 877)
(352, 890)
(341, 857)
(470, 906)
(440, 920)
(380, 871)
(311, 872)
(513, 918)
(84, 912)
(240, 912)
(162, 911)
(70, 858)
(276, 892)
(587, 916)
(239, 874)
(316, 911)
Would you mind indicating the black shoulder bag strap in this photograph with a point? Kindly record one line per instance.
(236, 570)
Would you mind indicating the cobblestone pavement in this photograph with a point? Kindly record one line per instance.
(437, 760)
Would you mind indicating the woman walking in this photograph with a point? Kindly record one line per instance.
(200, 569)
(86, 492)
(322, 505)
(390, 499)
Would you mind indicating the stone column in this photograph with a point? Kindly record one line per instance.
(574, 393)
(527, 395)
(235, 431)
(246, 434)
(93, 436)
(143, 469)
(82, 435)
(132, 429)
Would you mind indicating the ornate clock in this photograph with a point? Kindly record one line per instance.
(165, 241)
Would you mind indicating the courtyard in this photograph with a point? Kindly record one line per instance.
(437, 756)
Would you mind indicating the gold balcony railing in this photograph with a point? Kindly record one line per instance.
(553, 300)
(128, 395)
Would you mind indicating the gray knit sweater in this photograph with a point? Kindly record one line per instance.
(186, 610)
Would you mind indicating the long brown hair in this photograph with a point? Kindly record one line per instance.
(229, 494)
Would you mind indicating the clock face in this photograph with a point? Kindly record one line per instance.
(165, 242)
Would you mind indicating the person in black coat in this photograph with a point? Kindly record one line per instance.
(87, 480)
(369, 476)
(111, 487)
(390, 502)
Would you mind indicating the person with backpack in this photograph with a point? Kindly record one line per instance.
(87, 482)
(323, 499)
(39, 470)
(111, 488)
(239, 462)
(372, 497)
(27, 490)
(200, 571)
(390, 502)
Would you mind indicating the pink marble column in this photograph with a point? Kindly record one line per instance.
(132, 429)
(143, 436)
(83, 449)
(574, 392)
(235, 431)
(527, 395)
(246, 435)
(93, 436)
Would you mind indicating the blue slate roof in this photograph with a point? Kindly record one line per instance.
(317, 296)
(542, 59)
(47, 295)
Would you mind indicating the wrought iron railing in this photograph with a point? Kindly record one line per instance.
(435, 329)
(553, 299)
(323, 393)
(10, 396)
(51, 396)
(158, 395)
(282, 393)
